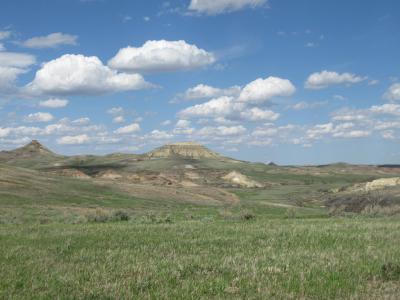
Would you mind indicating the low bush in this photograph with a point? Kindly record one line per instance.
(102, 215)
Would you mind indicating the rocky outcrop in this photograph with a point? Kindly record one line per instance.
(377, 184)
(241, 180)
(382, 183)
(183, 149)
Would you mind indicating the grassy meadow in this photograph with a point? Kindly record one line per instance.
(67, 238)
(317, 258)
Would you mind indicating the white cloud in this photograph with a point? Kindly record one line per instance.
(162, 55)
(166, 123)
(202, 91)
(320, 130)
(73, 140)
(4, 132)
(373, 82)
(81, 121)
(393, 93)
(116, 110)
(39, 117)
(229, 108)
(4, 35)
(388, 135)
(118, 119)
(390, 109)
(261, 90)
(54, 103)
(257, 114)
(11, 66)
(217, 107)
(2, 47)
(16, 60)
(269, 131)
(214, 7)
(320, 80)
(50, 41)
(352, 134)
(307, 105)
(8, 76)
(221, 131)
(182, 124)
(78, 74)
(132, 128)
(159, 135)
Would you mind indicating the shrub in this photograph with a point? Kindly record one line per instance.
(247, 215)
(102, 215)
(390, 271)
(120, 215)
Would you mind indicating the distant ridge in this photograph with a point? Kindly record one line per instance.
(183, 149)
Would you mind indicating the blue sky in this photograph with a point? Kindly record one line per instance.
(294, 82)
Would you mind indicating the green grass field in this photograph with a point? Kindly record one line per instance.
(325, 258)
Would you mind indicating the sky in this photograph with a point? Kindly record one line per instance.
(293, 82)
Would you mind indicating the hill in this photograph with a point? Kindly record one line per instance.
(183, 149)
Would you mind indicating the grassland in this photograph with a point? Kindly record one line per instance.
(203, 259)
(96, 238)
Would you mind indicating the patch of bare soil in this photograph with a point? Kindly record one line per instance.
(241, 180)
(109, 174)
(74, 173)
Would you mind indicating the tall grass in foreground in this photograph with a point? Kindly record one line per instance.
(337, 258)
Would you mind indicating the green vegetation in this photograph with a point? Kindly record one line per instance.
(125, 226)
(253, 259)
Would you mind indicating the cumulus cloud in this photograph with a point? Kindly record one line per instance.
(261, 90)
(241, 106)
(119, 119)
(54, 103)
(78, 74)
(221, 131)
(160, 56)
(390, 109)
(52, 40)
(393, 93)
(217, 107)
(39, 117)
(203, 91)
(159, 135)
(257, 114)
(213, 7)
(132, 128)
(320, 80)
(73, 139)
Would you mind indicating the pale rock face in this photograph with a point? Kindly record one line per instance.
(241, 180)
(382, 183)
(110, 175)
(185, 149)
